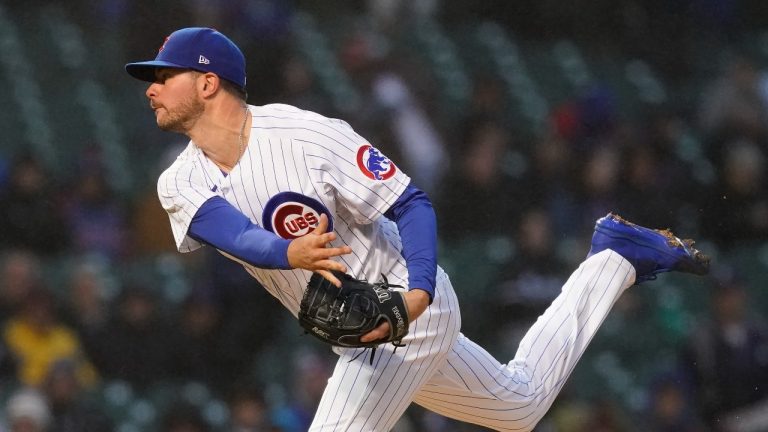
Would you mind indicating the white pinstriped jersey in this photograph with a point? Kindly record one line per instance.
(295, 160)
(299, 164)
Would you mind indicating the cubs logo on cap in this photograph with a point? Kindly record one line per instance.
(373, 164)
(291, 215)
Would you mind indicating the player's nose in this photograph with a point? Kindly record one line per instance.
(152, 90)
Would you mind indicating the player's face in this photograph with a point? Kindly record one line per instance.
(173, 96)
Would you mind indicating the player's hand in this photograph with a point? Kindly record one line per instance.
(416, 300)
(310, 252)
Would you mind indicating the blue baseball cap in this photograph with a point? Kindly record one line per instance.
(198, 48)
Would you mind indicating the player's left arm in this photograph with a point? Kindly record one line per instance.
(415, 218)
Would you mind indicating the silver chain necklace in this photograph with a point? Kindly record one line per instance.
(242, 133)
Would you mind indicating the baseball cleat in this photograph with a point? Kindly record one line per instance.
(650, 251)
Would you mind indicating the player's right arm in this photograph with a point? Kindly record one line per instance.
(222, 226)
(200, 216)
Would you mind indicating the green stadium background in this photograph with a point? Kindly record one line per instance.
(525, 121)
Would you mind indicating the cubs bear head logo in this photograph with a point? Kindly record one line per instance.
(373, 164)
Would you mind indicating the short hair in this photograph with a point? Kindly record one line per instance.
(234, 89)
(228, 86)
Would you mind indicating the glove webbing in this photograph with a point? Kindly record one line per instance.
(384, 283)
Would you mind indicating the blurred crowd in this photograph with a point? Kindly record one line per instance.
(94, 298)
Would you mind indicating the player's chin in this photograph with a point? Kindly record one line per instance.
(164, 125)
(159, 119)
(168, 124)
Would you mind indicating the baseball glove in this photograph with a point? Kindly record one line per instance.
(340, 316)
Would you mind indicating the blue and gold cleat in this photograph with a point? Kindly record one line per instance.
(650, 251)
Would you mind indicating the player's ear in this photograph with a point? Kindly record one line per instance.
(208, 84)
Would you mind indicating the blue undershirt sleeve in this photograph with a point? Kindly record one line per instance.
(222, 226)
(416, 221)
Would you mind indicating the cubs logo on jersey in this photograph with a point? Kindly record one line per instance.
(373, 164)
(291, 215)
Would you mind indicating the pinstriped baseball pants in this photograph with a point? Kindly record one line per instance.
(443, 371)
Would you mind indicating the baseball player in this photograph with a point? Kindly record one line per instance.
(288, 192)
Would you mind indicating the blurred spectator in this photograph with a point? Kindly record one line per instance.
(533, 278)
(264, 27)
(71, 409)
(38, 339)
(184, 418)
(606, 416)
(388, 13)
(197, 347)
(249, 319)
(727, 352)
(134, 345)
(31, 218)
(568, 414)
(150, 233)
(550, 182)
(665, 158)
(733, 105)
(736, 212)
(7, 365)
(311, 373)
(249, 411)
(298, 87)
(19, 274)
(671, 408)
(4, 165)
(645, 178)
(600, 187)
(598, 112)
(486, 102)
(588, 118)
(87, 308)
(95, 217)
(472, 200)
(27, 411)
(175, 15)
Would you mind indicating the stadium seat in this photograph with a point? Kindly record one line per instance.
(429, 41)
(314, 46)
(32, 118)
(530, 108)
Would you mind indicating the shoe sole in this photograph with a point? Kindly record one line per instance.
(695, 262)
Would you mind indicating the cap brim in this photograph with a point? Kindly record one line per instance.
(145, 71)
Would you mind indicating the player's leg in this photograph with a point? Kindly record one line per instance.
(474, 387)
(363, 397)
